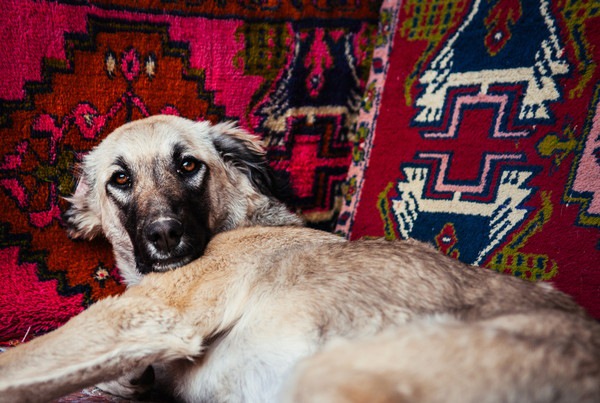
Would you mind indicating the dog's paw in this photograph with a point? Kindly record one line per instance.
(133, 385)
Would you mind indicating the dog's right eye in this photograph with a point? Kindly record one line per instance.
(120, 179)
(188, 166)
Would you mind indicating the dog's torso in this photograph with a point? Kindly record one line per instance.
(271, 296)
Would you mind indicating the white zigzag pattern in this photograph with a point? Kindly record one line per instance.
(540, 88)
(504, 213)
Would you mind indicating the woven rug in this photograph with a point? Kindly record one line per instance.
(290, 71)
(481, 135)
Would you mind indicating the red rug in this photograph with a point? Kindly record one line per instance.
(291, 71)
(481, 135)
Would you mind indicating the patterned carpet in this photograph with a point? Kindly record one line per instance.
(481, 135)
(291, 71)
(479, 131)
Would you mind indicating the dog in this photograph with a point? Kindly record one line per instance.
(272, 311)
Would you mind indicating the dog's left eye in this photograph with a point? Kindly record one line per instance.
(188, 166)
(120, 179)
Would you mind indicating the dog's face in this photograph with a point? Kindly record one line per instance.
(158, 188)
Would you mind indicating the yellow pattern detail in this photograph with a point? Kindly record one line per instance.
(383, 205)
(558, 146)
(430, 20)
(528, 266)
(576, 13)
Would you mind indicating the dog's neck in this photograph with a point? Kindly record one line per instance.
(256, 210)
(273, 213)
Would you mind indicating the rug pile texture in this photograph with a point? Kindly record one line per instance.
(481, 135)
(291, 71)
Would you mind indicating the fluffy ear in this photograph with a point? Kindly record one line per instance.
(246, 152)
(79, 218)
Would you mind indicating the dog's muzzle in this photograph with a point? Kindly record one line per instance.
(166, 243)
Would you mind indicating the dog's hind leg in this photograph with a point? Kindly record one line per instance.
(110, 338)
(541, 357)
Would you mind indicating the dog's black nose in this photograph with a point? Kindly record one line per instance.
(164, 234)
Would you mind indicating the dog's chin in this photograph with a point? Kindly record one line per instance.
(173, 263)
(162, 265)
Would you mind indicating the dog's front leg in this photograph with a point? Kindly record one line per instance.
(102, 343)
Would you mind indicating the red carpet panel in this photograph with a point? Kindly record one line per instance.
(480, 134)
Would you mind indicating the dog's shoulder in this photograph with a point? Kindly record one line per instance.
(256, 238)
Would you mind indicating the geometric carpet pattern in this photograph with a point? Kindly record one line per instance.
(291, 71)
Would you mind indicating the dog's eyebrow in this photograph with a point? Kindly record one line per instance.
(178, 150)
(120, 161)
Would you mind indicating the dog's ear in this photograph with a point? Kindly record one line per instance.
(79, 219)
(246, 152)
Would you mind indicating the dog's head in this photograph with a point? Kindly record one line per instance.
(160, 187)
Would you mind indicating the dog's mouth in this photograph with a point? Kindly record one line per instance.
(172, 263)
(162, 263)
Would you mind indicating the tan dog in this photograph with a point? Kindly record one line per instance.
(297, 315)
